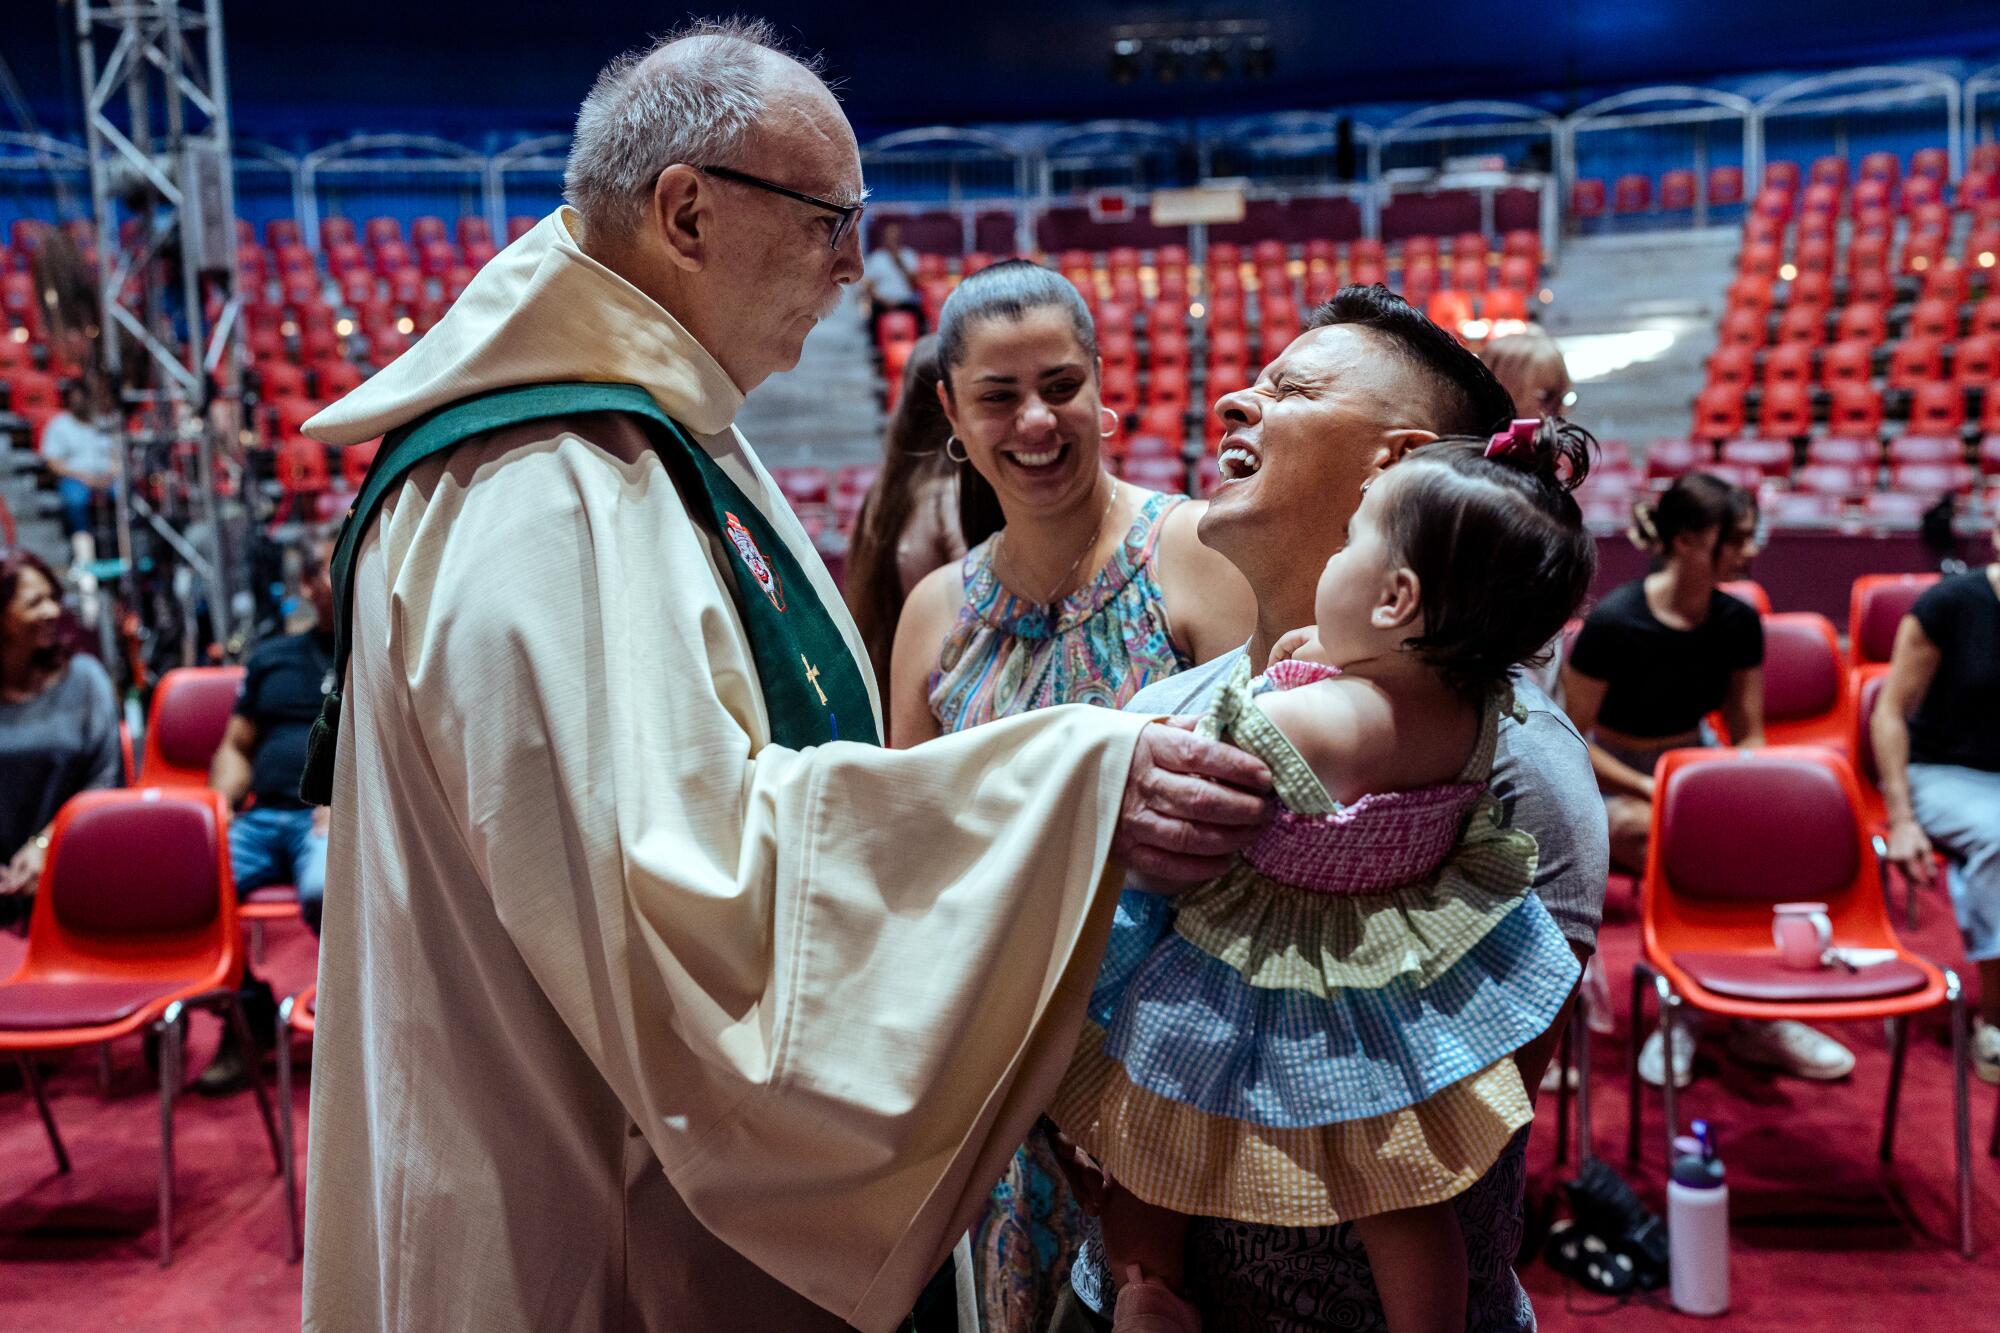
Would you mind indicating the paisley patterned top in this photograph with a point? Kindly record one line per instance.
(1006, 655)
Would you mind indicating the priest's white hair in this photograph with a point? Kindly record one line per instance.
(648, 111)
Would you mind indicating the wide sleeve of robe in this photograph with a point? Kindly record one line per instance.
(832, 988)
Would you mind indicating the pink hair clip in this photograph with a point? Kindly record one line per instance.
(1518, 440)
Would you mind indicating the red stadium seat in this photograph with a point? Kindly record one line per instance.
(1633, 193)
(1855, 411)
(1167, 349)
(1586, 198)
(1718, 413)
(1733, 366)
(1976, 361)
(1845, 451)
(336, 377)
(1946, 283)
(1864, 322)
(472, 227)
(1667, 459)
(1937, 409)
(1833, 479)
(1985, 315)
(1815, 255)
(357, 286)
(1165, 420)
(1787, 412)
(1871, 286)
(1168, 384)
(381, 231)
(1725, 186)
(1876, 605)
(1751, 291)
(1788, 363)
(1880, 166)
(1820, 197)
(1782, 176)
(280, 379)
(1745, 328)
(1920, 192)
(1915, 360)
(1761, 230)
(1803, 326)
(1807, 697)
(1866, 252)
(1772, 458)
(1921, 250)
(1925, 449)
(426, 229)
(1895, 509)
(1803, 508)
(1829, 170)
(1870, 194)
(1469, 273)
(1933, 319)
(518, 226)
(336, 231)
(345, 257)
(1761, 260)
(1677, 190)
(1931, 480)
(1989, 447)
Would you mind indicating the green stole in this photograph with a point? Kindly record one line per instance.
(813, 690)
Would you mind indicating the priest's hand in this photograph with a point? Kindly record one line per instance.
(1190, 805)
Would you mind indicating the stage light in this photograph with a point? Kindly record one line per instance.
(344, 327)
(289, 328)
(1475, 329)
(21, 335)
(406, 325)
(1124, 61)
(1257, 59)
(1788, 272)
(1919, 263)
(1546, 296)
(1197, 310)
(1985, 261)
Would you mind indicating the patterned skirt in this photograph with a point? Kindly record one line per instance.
(1325, 1031)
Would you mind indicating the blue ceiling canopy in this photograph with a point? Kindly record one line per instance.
(455, 65)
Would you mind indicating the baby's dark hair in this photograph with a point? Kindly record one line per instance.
(1498, 545)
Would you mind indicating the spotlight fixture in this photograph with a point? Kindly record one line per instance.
(1258, 59)
(1125, 61)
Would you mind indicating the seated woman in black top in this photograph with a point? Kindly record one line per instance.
(1654, 659)
(1936, 731)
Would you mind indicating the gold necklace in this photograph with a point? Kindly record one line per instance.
(1082, 555)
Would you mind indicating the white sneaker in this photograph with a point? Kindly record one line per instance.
(1790, 1047)
(1653, 1057)
(1986, 1051)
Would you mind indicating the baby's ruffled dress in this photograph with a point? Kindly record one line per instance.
(1325, 1031)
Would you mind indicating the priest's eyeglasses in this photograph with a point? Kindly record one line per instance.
(845, 215)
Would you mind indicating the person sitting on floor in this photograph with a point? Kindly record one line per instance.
(1656, 657)
(279, 839)
(1936, 731)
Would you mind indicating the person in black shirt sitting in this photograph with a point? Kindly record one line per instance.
(1655, 658)
(1936, 731)
(279, 839)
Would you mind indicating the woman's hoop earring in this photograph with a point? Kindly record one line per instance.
(1111, 425)
(959, 457)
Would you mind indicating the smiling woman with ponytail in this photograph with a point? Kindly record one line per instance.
(1078, 588)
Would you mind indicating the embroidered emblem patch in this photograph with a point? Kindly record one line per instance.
(753, 560)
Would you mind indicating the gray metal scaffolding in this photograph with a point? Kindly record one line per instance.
(156, 112)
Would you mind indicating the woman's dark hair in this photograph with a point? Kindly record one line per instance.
(1466, 399)
(1696, 502)
(13, 564)
(912, 456)
(1498, 545)
(1007, 290)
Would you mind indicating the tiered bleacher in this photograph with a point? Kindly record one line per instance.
(1857, 376)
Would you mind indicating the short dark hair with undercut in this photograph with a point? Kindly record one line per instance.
(1465, 398)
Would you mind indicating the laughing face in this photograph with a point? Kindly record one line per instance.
(1023, 402)
(1328, 414)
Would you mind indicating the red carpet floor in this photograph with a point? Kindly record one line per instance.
(1823, 1237)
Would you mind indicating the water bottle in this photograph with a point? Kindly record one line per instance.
(1698, 1226)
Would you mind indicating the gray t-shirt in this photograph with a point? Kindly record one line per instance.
(61, 742)
(1308, 1279)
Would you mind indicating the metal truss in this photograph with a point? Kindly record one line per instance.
(156, 112)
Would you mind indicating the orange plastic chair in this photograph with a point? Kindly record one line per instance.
(1733, 832)
(191, 708)
(1751, 592)
(296, 1014)
(1866, 684)
(1807, 699)
(1875, 607)
(111, 952)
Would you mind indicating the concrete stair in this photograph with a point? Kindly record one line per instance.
(825, 412)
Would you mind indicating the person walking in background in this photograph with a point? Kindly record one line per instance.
(908, 525)
(1655, 658)
(1530, 367)
(81, 457)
